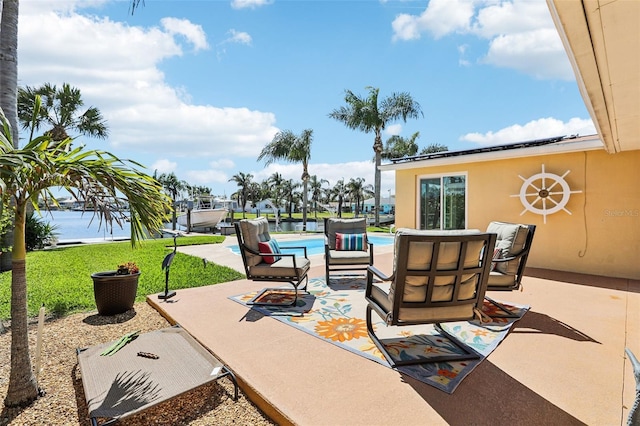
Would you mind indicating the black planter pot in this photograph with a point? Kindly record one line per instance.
(114, 294)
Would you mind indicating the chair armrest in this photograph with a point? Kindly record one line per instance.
(277, 254)
(378, 273)
(303, 248)
(510, 258)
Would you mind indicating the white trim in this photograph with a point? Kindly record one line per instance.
(582, 87)
(595, 143)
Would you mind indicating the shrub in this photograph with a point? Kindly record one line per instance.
(38, 233)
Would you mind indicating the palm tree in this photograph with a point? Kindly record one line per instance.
(315, 186)
(294, 149)
(369, 115)
(100, 179)
(9, 64)
(289, 189)
(255, 193)
(60, 111)
(276, 181)
(338, 192)
(173, 185)
(398, 147)
(357, 191)
(432, 148)
(244, 184)
(9, 90)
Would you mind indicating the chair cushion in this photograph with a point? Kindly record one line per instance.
(451, 313)
(420, 253)
(343, 257)
(511, 240)
(270, 246)
(254, 231)
(282, 268)
(343, 226)
(419, 258)
(351, 242)
(497, 254)
(498, 279)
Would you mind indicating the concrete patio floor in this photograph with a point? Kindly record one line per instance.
(562, 364)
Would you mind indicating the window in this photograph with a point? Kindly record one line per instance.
(442, 202)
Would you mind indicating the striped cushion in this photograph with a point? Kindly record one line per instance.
(270, 246)
(351, 241)
(497, 254)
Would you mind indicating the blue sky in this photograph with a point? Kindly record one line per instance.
(198, 88)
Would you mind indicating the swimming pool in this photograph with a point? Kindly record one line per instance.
(316, 245)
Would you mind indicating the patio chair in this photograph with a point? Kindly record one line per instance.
(345, 245)
(439, 276)
(264, 260)
(509, 258)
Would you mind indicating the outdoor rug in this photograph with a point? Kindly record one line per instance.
(336, 314)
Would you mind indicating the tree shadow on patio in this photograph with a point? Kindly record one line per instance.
(536, 322)
(489, 396)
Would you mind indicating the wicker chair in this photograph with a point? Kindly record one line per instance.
(345, 245)
(261, 265)
(439, 276)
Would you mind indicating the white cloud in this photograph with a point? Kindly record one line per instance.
(222, 164)
(164, 166)
(239, 37)
(193, 33)
(462, 51)
(249, 4)
(536, 129)
(526, 52)
(393, 129)
(116, 67)
(521, 34)
(206, 177)
(441, 17)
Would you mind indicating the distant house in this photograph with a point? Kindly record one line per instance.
(265, 206)
(387, 205)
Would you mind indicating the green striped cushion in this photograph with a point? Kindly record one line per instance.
(351, 241)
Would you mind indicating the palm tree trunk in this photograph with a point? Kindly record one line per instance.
(9, 90)
(377, 148)
(305, 199)
(174, 213)
(23, 387)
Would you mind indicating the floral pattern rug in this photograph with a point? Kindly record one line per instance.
(336, 314)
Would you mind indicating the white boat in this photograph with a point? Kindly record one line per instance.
(204, 215)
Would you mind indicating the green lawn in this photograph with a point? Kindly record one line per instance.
(61, 278)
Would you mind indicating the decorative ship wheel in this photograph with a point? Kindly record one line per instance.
(545, 193)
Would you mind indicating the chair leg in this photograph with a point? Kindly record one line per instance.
(375, 339)
(507, 312)
(467, 352)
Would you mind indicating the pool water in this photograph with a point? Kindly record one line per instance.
(316, 245)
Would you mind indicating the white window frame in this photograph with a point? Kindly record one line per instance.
(440, 176)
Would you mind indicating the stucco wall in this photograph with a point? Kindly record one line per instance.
(600, 236)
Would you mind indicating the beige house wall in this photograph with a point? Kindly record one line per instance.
(600, 233)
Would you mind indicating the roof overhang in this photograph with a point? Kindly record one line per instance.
(602, 40)
(582, 144)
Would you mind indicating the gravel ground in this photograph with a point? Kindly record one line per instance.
(64, 402)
